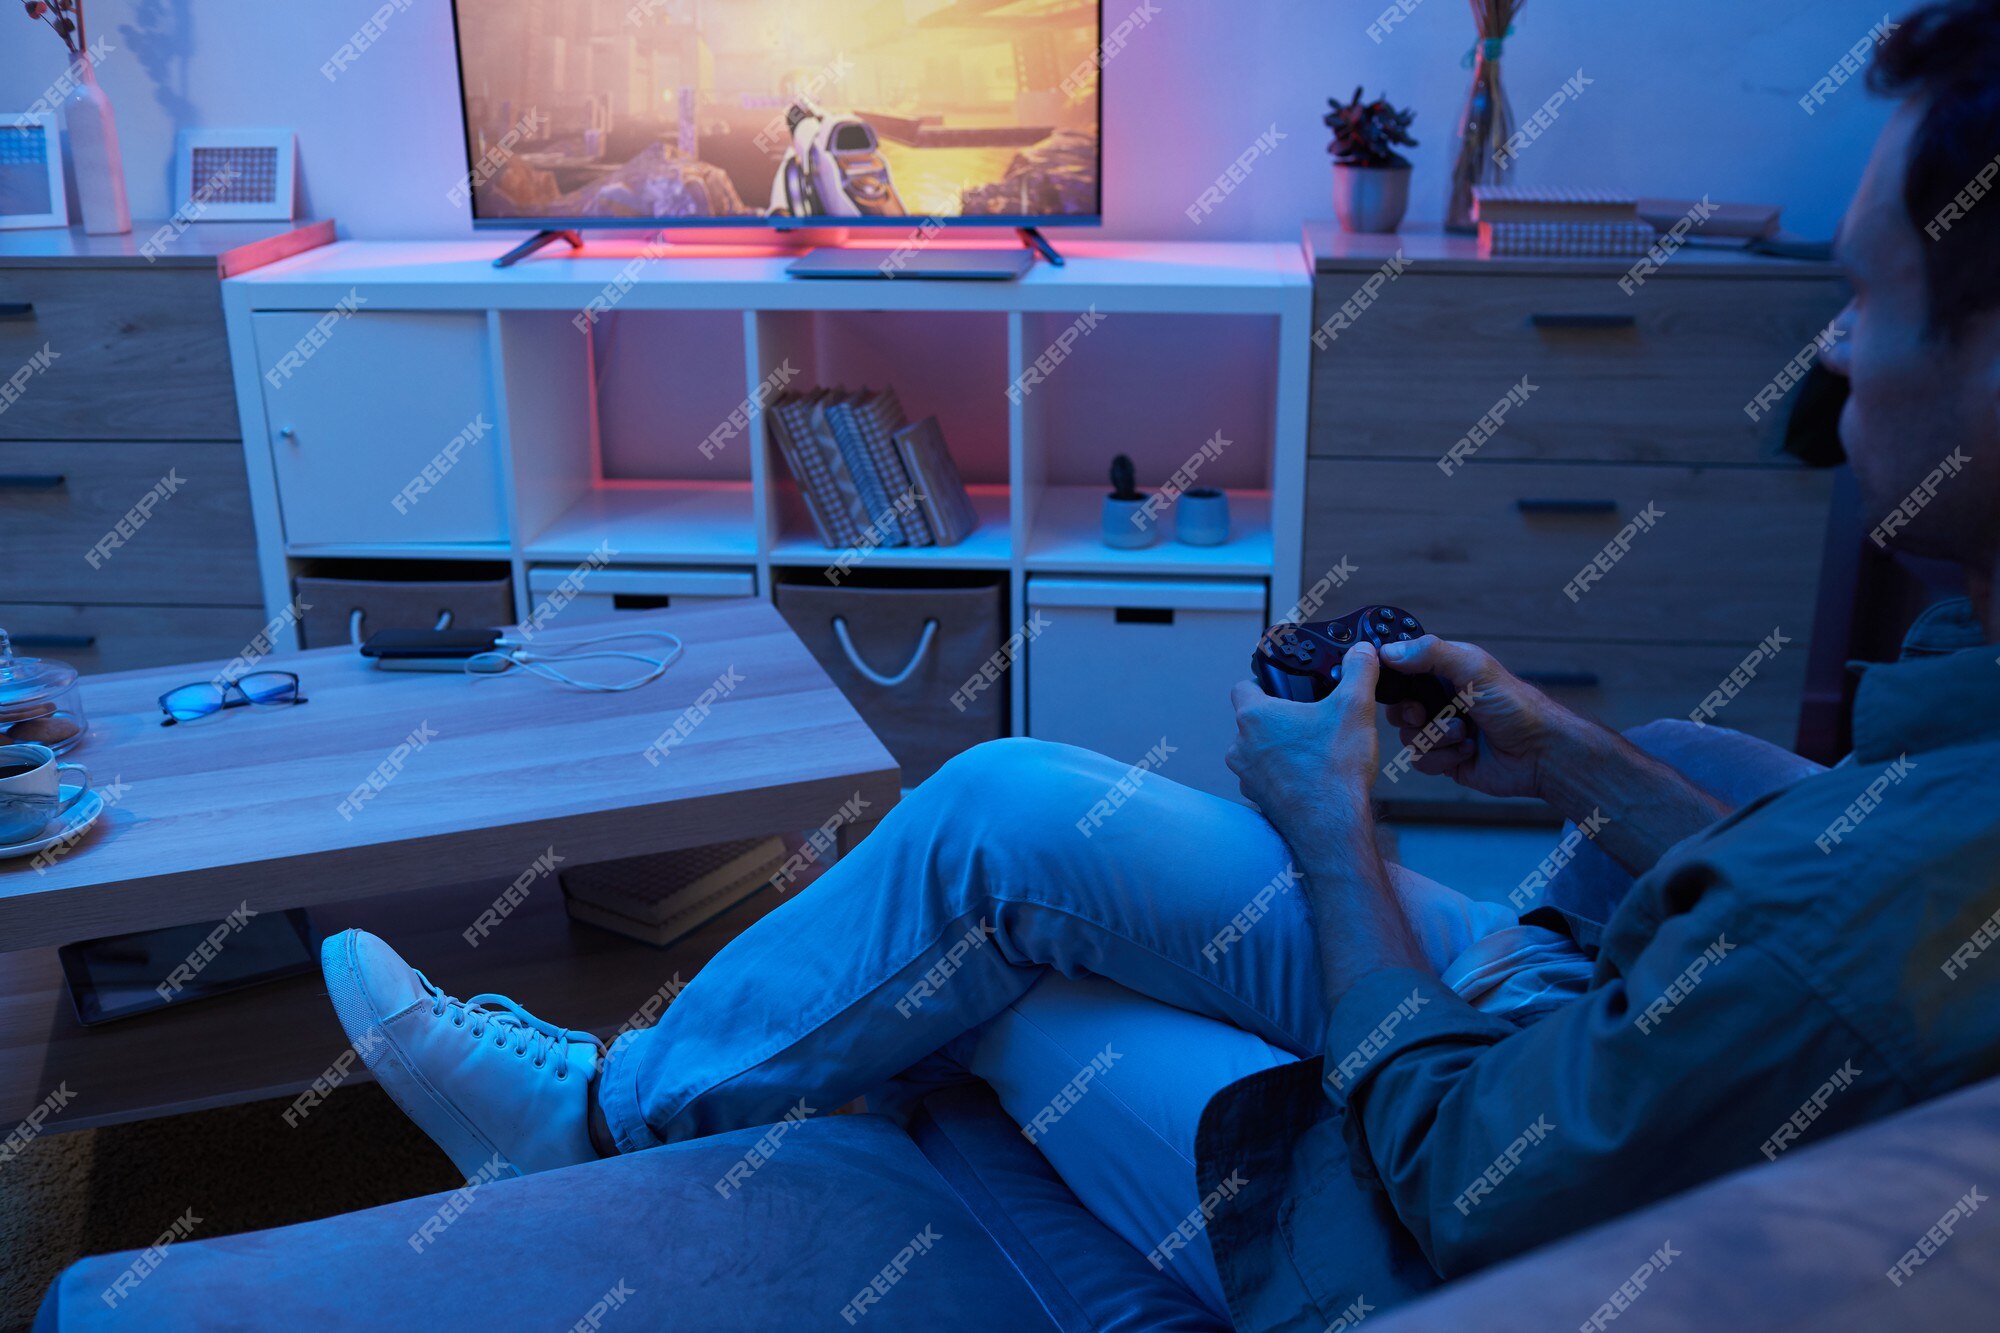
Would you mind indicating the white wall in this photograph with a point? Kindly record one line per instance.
(1695, 98)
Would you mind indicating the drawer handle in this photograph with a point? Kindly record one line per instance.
(1143, 615)
(31, 481)
(1561, 680)
(1551, 505)
(54, 640)
(17, 309)
(1543, 320)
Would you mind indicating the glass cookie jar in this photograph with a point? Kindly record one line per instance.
(40, 701)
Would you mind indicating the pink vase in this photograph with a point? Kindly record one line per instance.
(93, 150)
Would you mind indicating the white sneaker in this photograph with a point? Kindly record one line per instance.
(501, 1091)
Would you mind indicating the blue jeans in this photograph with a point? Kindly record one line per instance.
(1105, 948)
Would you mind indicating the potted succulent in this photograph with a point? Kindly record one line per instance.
(1371, 180)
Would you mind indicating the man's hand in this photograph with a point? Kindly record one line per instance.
(1516, 726)
(1527, 744)
(1309, 767)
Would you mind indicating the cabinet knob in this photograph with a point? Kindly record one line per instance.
(287, 433)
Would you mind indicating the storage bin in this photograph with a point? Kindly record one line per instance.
(338, 611)
(1119, 665)
(605, 592)
(900, 655)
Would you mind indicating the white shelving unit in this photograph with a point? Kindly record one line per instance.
(596, 435)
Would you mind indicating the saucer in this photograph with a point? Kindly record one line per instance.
(71, 824)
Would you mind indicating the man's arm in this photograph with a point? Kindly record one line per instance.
(1309, 767)
(1523, 743)
(1710, 1055)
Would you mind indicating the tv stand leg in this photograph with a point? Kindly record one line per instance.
(1032, 238)
(536, 242)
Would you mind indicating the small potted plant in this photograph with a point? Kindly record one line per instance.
(1371, 180)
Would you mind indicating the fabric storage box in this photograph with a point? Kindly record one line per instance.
(1120, 665)
(343, 610)
(900, 654)
(603, 593)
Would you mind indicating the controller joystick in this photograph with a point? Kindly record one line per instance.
(1302, 661)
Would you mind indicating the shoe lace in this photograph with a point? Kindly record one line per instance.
(529, 1036)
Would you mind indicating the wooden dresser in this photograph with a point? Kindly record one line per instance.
(117, 406)
(1628, 416)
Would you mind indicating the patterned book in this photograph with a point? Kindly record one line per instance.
(876, 498)
(850, 510)
(880, 417)
(1529, 203)
(1572, 240)
(940, 491)
(814, 477)
(788, 449)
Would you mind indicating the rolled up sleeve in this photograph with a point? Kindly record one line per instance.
(1490, 1140)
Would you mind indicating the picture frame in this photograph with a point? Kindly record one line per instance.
(31, 171)
(236, 175)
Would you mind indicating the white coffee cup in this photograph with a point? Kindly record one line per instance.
(31, 791)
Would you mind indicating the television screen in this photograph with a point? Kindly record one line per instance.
(780, 112)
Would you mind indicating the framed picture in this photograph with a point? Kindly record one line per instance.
(235, 175)
(31, 172)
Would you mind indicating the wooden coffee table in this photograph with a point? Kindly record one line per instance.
(473, 780)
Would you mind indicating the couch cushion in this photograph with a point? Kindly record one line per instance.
(836, 1205)
(1807, 1243)
(1089, 1277)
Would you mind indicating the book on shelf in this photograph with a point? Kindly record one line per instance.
(886, 523)
(1571, 240)
(783, 434)
(879, 417)
(841, 489)
(1530, 203)
(866, 474)
(941, 494)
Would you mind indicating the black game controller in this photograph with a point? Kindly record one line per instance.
(1302, 662)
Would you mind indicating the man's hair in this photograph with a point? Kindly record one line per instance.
(1947, 55)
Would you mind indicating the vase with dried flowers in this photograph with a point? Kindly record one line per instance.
(87, 118)
(1371, 180)
(1488, 121)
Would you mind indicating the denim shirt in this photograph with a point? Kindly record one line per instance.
(1818, 959)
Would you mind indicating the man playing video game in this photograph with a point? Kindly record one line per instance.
(1279, 1022)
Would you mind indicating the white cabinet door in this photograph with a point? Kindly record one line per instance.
(382, 426)
(1122, 665)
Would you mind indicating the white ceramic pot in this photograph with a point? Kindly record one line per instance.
(1370, 199)
(93, 149)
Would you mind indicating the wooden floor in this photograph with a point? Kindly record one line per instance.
(276, 1039)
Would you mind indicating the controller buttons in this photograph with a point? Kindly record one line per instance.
(1410, 623)
(1341, 634)
(1385, 614)
(1405, 637)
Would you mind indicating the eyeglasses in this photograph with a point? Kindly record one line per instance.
(259, 689)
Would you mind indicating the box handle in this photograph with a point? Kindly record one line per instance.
(17, 309)
(31, 481)
(886, 682)
(358, 615)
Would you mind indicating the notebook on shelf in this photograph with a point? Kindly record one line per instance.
(843, 492)
(941, 494)
(782, 426)
(1534, 203)
(878, 501)
(879, 417)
